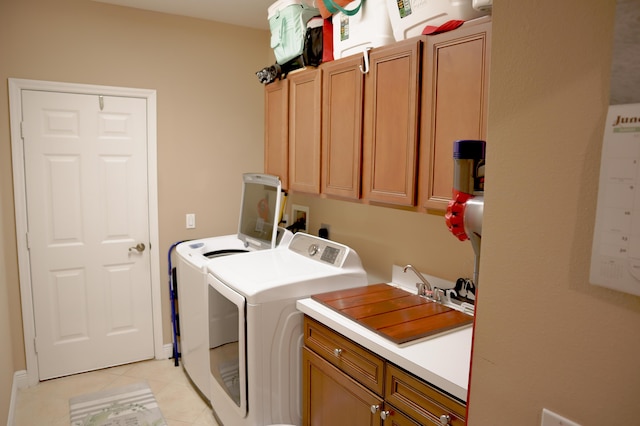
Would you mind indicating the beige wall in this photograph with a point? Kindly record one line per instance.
(6, 352)
(384, 237)
(545, 337)
(210, 109)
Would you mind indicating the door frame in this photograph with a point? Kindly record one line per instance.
(19, 189)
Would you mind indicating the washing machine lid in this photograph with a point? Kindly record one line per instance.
(260, 210)
(307, 265)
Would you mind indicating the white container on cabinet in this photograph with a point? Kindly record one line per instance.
(409, 17)
(370, 27)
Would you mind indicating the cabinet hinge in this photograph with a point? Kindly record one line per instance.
(28, 241)
(35, 344)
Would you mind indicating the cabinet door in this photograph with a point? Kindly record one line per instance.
(342, 105)
(332, 398)
(276, 130)
(456, 80)
(305, 95)
(391, 118)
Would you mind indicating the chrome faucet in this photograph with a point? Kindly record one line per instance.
(424, 288)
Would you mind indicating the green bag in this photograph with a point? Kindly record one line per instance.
(288, 28)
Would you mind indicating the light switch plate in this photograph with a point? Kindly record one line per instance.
(549, 418)
(191, 220)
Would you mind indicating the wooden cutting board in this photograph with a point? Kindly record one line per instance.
(394, 313)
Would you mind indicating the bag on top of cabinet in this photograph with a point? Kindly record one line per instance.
(288, 24)
(313, 42)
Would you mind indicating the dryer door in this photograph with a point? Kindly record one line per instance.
(227, 346)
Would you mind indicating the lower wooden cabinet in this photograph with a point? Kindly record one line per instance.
(346, 384)
(333, 398)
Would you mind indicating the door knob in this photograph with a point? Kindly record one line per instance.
(139, 247)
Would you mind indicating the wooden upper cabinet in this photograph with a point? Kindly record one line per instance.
(342, 106)
(391, 123)
(305, 97)
(454, 107)
(276, 128)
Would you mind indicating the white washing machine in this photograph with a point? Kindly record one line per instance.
(260, 213)
(256, 331)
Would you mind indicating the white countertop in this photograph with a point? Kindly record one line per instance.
(443, 360)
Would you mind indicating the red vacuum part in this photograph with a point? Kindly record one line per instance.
(455, 214)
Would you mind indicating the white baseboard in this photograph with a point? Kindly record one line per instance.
(20, 381)
(167, 351)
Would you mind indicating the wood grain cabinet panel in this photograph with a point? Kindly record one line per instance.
(332, 398)
(385, 136)
(395, 417)
(305, 97)
(276, 128)
(349, 357)
(391, 122)
(419, 400)
(346, 384)
(454, 105)
(342, 109)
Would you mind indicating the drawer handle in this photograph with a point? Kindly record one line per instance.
(337, 352)
(445, 419)
(374, 408)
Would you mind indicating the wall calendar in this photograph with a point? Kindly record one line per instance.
(615, 255)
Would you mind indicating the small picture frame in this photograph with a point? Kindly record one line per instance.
(300, 214)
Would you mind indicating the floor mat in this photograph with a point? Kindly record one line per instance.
(132, 405)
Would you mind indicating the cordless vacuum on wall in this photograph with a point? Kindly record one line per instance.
(464, 213)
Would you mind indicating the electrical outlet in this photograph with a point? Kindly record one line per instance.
(324, 230)
(549, 418)
(300, 218)
(191, 220)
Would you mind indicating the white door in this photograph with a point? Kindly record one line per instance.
(88, 230)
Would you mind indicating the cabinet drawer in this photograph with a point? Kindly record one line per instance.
(396, 417)
(419, 400)
(354, 360)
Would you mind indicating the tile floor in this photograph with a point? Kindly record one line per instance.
(48, 402)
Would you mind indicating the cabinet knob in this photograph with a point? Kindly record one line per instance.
(337, 352)
(374, 408)
(384, 415)
(445, 419)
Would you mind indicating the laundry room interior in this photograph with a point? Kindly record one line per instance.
(542, 344)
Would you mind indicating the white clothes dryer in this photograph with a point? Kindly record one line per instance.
(256, 331)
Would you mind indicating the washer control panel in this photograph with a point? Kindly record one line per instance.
(319, 249)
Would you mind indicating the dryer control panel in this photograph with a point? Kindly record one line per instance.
(319, 249)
